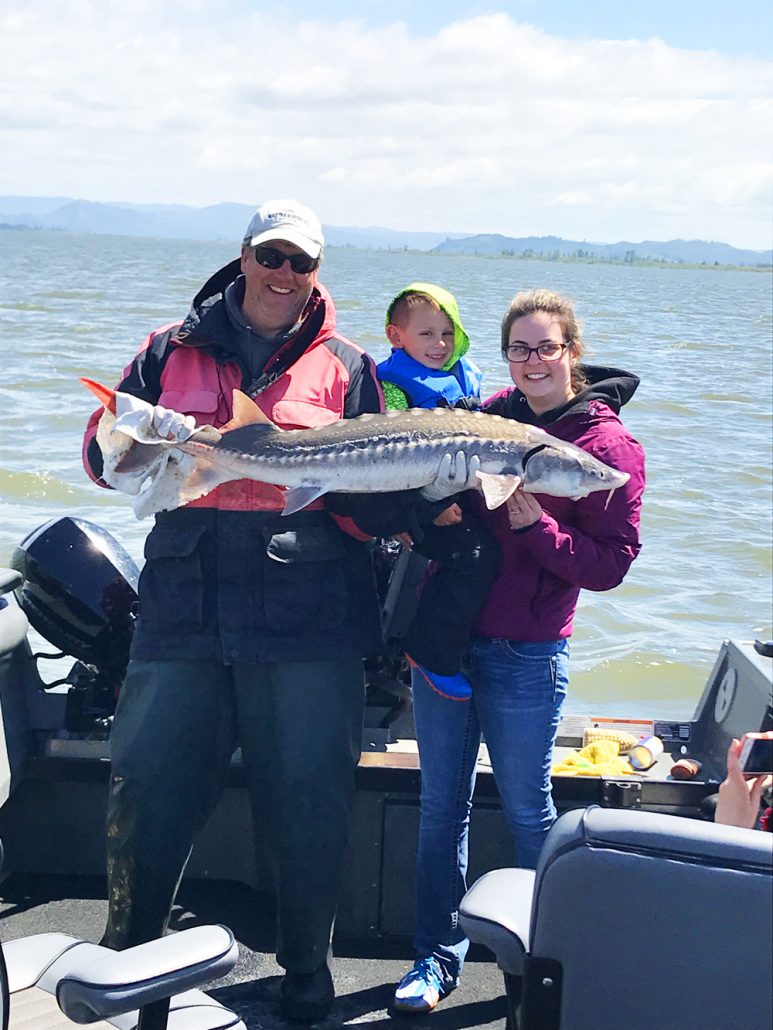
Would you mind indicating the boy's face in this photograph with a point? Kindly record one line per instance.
(427, 336)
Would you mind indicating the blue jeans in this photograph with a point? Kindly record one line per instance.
(518, 692)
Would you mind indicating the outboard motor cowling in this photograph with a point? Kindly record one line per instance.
(80, 593)
(79, 590)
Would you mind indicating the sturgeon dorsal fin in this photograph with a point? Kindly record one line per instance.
(245, 412)
(496, 489)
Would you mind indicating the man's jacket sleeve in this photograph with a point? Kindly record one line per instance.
(141, 378)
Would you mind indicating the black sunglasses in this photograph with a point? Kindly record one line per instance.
(271, 257)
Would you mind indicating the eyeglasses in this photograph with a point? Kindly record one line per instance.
(517, 353)
(272, 257)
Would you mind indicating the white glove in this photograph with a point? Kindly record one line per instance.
(148, 423)
(456, 471)
(172, 425)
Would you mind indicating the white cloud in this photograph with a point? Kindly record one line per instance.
(487, 125)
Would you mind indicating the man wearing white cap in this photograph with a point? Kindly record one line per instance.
(252, 626)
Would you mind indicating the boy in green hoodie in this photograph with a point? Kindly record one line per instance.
(428, 368)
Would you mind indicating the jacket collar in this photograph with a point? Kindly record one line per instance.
(613, 386)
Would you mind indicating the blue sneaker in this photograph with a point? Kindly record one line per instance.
(455, 688)
(421, 988)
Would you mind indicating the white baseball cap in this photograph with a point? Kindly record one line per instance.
(286, 220)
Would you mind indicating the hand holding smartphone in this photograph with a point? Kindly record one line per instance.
(756, 757)
(748, 774)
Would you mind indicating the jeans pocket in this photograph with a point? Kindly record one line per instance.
(539, 669)
(526, 651)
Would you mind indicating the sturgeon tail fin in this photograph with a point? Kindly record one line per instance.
(103, 394)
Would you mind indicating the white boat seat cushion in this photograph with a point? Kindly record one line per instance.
(57, 981)
(496, 912)
(36, 1009)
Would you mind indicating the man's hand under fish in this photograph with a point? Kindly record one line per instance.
(164, 460)
(168, 424)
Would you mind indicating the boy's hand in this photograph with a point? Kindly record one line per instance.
(450, 517)
(454, 472)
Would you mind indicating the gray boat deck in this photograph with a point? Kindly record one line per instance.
(365, 972)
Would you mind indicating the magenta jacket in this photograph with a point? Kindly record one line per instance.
(588, 543)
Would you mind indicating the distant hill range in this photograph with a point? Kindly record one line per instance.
(227, 222)
(687, 251)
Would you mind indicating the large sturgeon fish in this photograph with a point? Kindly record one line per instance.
(374, 453)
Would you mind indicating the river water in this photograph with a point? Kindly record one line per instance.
(700, 339)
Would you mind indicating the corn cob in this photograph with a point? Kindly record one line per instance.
(625, 741)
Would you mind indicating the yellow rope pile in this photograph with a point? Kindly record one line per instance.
(600, 758)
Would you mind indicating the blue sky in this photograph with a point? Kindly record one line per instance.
(742, 27)
(594, 121)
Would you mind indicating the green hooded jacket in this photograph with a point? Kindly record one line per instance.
(393, 395)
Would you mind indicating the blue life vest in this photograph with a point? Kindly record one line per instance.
(425, 386)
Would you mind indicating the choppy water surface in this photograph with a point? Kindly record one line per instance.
(699, 339)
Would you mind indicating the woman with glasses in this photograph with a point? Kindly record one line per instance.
(551, 548)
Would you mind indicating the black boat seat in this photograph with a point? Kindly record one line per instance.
(52, 981)
(634, 919)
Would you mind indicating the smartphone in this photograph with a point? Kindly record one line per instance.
(756, 758)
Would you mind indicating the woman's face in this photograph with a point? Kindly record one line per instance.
(544, 384)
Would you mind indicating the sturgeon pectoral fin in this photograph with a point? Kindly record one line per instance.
(496, 489)
(301, 496)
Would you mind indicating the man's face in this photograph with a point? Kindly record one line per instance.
(274, 298)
